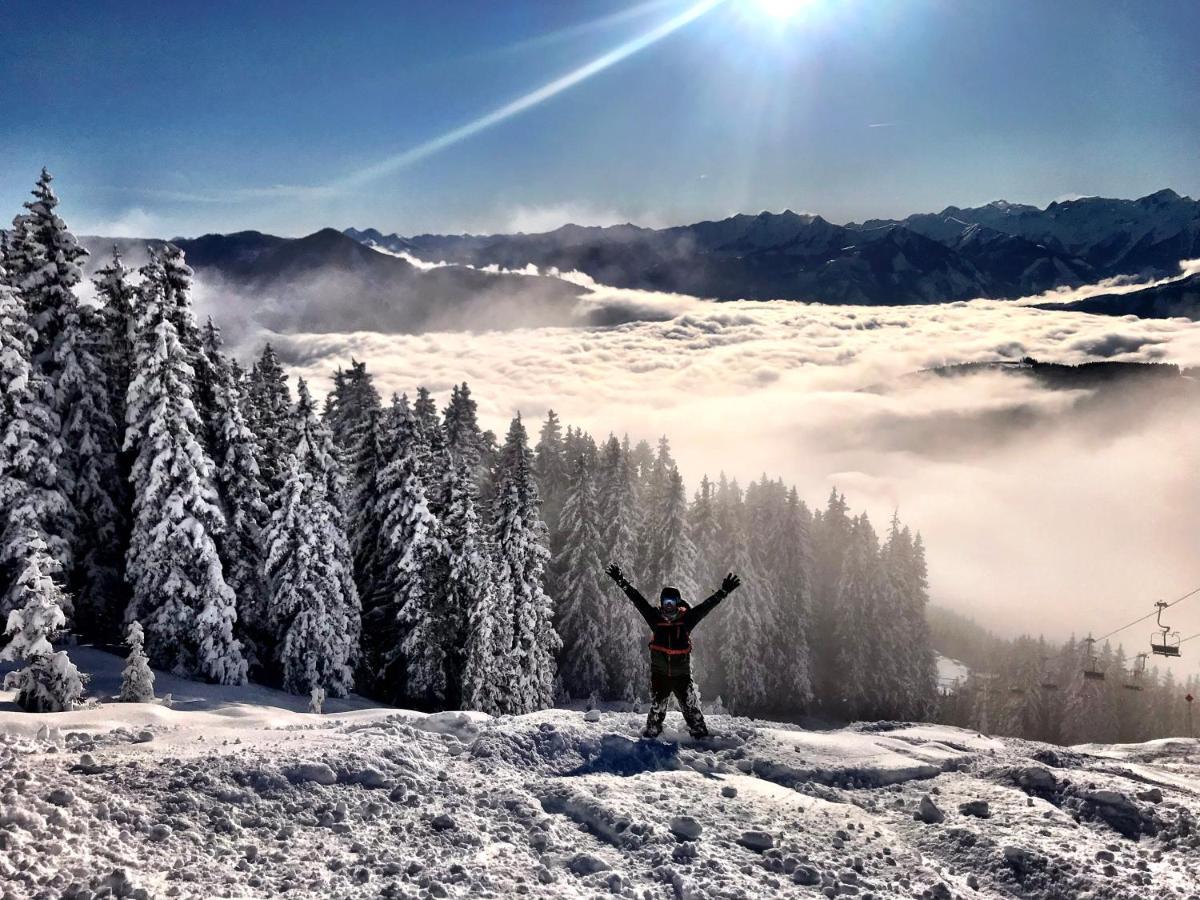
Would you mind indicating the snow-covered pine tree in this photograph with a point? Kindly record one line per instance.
(179, 591)
(316, 457)
(779, 547)
(313, 604)
(581, 605)
(904, 558)
(33, 508)
(435, 453)
(744, 624)
(43, 264)
(92, 436)
(49, 682)
(702, 527)
(137, 678)
(625, 655)
(553, 473)
(465, 439)
(670, 553)
(470, 600)
(653, 487)
(347, 408)
(865, 604)
(118, 298)
(520, 539)
(243, 497)
(177, 299)
(269, 414)
(831, 538)
(411, 612)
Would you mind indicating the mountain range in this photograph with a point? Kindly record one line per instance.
(366, 280)
(1000, 250)
(328, 282)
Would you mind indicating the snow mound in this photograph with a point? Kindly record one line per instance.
(233, 795)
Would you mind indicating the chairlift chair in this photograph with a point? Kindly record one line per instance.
(1137, 673)
(1047, 683)
(1164, 642)
(1091, 668)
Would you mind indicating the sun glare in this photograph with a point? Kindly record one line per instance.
(780, 10)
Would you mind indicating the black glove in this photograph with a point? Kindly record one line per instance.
(731, 583)
(614, 572)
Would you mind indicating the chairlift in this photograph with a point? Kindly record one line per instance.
(1164, 642)
(1048, 683)
(1137, 673)
(1091, 668)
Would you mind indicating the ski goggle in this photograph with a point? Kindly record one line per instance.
(670, 606)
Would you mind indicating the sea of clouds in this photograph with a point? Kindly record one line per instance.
(1040, 513)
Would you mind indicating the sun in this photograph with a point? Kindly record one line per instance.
(779, 10)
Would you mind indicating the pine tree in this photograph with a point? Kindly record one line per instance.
(670, 554)
(118, 299)
(49, 682)
(865, 600)
(465, 440)
(269, 415)
(581, 602)
(179, 591)
(33, 506)
(522, 555)
(313, 605)
(470, 599)
(410, 616)
(243, 496)
(916, 676)
(552, 470)
(626, 658)
(137, 678)
(99, 497)
(743, 622)
(43, 264)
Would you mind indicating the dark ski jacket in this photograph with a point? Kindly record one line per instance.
(672, 638)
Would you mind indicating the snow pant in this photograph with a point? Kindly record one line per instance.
(673, 675)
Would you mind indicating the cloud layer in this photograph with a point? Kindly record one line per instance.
(1041, 513)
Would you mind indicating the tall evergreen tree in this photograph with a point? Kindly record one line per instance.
(626, 658)
(243, 497)
(269, 415)
(118, 299)
(34, 510)
(581, 603)
(313, 603)
(470, 599)
(553, 472)
(411, 618)
(179, 591)
(43, 263)
(744, 625)
(865, 601)
(522, 555)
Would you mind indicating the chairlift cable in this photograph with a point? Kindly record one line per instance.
(1151, 615)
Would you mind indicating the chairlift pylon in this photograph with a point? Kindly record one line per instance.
(1091, 668)
(1164, 642)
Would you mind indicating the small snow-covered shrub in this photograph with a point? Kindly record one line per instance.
(137, 678)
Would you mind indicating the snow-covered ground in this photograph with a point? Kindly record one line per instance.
(235, 792)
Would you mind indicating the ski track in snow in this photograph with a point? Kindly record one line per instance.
(243, 795)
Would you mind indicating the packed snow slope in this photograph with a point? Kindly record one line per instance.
(230, 792)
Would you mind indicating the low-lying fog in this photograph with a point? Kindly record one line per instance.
(1039, 516)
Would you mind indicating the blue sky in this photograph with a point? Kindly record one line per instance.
(180, 118)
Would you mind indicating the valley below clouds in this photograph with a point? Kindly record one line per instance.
(1050, 511)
